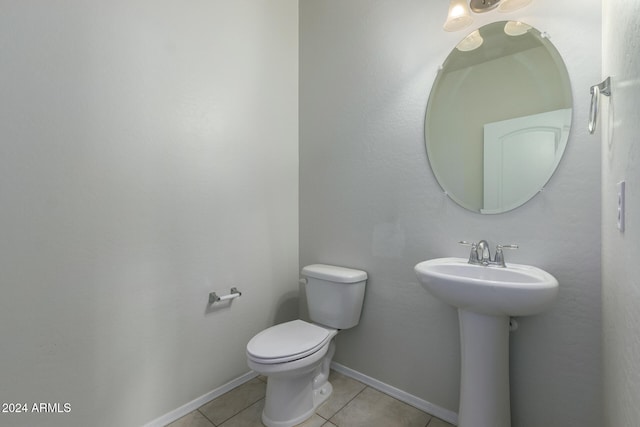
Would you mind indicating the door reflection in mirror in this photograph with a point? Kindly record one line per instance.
(498, 118)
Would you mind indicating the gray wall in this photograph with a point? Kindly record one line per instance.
(369, 200)
(621, 251)
(148, 156)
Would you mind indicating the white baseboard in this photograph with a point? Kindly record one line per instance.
(403, 396)
(199, 401)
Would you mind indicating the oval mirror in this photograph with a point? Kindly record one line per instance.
(498, 117)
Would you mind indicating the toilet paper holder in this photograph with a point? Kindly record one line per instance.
(214, 298)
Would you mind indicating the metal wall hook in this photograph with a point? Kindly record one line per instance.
(603, 88)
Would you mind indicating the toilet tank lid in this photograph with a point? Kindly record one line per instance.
(334, 274)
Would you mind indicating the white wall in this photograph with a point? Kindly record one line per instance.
(148, 156)
(621, 251)
(369, 200)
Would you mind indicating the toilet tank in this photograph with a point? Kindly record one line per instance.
(334, 294)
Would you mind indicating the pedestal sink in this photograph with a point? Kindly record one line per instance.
(486, 297)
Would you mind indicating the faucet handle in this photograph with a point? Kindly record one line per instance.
(499, 257)
(473, 255)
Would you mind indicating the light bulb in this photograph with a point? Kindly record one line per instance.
(459, 16)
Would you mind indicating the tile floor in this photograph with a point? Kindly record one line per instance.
(352, 404)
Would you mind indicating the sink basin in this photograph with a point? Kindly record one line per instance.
(517, 290)
(486, 297)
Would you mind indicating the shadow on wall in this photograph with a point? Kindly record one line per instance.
(287, 308)
(303, 309)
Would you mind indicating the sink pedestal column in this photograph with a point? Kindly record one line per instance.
(484, 379)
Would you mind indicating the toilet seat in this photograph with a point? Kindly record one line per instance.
(287, 342)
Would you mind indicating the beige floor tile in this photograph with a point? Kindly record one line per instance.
(436, 422)
(233, 402)
(329, 424)
(315, 421)
(372, 408)
(344, 389)
(250, 417)
(193, 419)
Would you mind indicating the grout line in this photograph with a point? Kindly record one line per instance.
(188, 407)
(237, 413)
(243, 409)
(423, 405)
(349, 401)
(325, 420)
(206, 418)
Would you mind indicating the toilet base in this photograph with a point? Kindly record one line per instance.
(319, 397)
(293, 397)
(322, 394)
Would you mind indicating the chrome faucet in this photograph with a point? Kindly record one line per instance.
(480, 254)
(483, 254)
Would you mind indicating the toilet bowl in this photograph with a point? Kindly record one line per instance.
(296, 356)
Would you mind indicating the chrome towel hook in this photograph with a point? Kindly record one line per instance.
(603, 88)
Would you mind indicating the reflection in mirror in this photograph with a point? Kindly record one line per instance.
(498, 117)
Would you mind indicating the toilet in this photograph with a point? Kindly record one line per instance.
(295, 356)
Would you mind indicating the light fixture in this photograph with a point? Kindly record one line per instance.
(471, 42)
(480, 6)
(459, 16)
